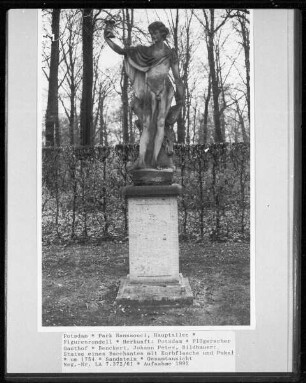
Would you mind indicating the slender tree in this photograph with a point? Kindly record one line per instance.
(243, 30)
(103, 131)
(175, 32)
(52, 120)
(186, 48)
(96, 94)
(245, 136)
(72, 67)
(210, 34)
(105, 89)
(180, 27)
(87, 102)
(127, 27)
(211, 28)
(207, 97)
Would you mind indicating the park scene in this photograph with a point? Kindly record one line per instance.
(145, 167)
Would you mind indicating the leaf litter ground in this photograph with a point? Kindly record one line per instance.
(80, 284)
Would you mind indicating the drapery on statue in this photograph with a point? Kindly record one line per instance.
(148, 69)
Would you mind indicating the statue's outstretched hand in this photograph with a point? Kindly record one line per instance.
(108, 34)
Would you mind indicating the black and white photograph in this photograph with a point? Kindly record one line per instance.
(145, 167)
(153, 192)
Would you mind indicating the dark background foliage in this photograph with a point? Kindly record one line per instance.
(81, 192)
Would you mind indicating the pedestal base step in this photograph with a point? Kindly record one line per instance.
(146, 293)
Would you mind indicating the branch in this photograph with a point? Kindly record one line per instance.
(223, 22)
(96, 16)
(45, 73)
(240, 14)
(65, 109)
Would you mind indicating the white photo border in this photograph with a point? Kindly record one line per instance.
(267, 347)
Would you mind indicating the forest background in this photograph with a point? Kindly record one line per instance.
(86, 92)
(89, 136)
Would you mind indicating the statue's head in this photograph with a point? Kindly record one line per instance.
(159, 26)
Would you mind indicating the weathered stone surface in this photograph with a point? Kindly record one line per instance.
(154, 276)
(152, 176)
(153, 239)
(131, 293)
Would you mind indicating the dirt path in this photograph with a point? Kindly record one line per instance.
(80, 283)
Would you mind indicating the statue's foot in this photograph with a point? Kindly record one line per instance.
(166, 168)
(154, 164)
(138, 164)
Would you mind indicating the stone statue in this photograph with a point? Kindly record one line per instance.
(148, 69)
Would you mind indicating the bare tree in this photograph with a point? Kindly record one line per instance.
(174, 27)
(191, 110)
(72, 67)
(241, 123)
(242, 27)
(180, 27)
(187, 49)
(87, 102)
(127, 27)
(105, 89)
(210, 28)
(207, 96)
(52, 120)
(92, 24)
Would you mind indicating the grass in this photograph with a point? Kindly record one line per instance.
(80, 283)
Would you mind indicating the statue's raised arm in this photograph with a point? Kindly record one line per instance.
(108, 35)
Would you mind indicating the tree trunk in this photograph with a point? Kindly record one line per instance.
(77, 135)
(52, 120)
(235, 129)
(132, 132)
(214, 78)
(96, 118)
(105, 134)
(101, 106)
(222, 124)
(243, 131)
(128, 20)
(246, 48)
(186, 108)
(86, 103)
(71, 79)
(180, 129)
(242, 125)
(125, 107)
(187, 111)
(72, 115)
(180, 120)
(195, 111)
(215, 92)
(205, 115)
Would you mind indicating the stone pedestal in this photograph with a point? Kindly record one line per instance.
(152, 176)
(154, 276)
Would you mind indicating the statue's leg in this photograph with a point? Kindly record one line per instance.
(137, 109)
(144, 141)
(160, 129)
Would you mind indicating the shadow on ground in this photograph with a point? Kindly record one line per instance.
(80, 283)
